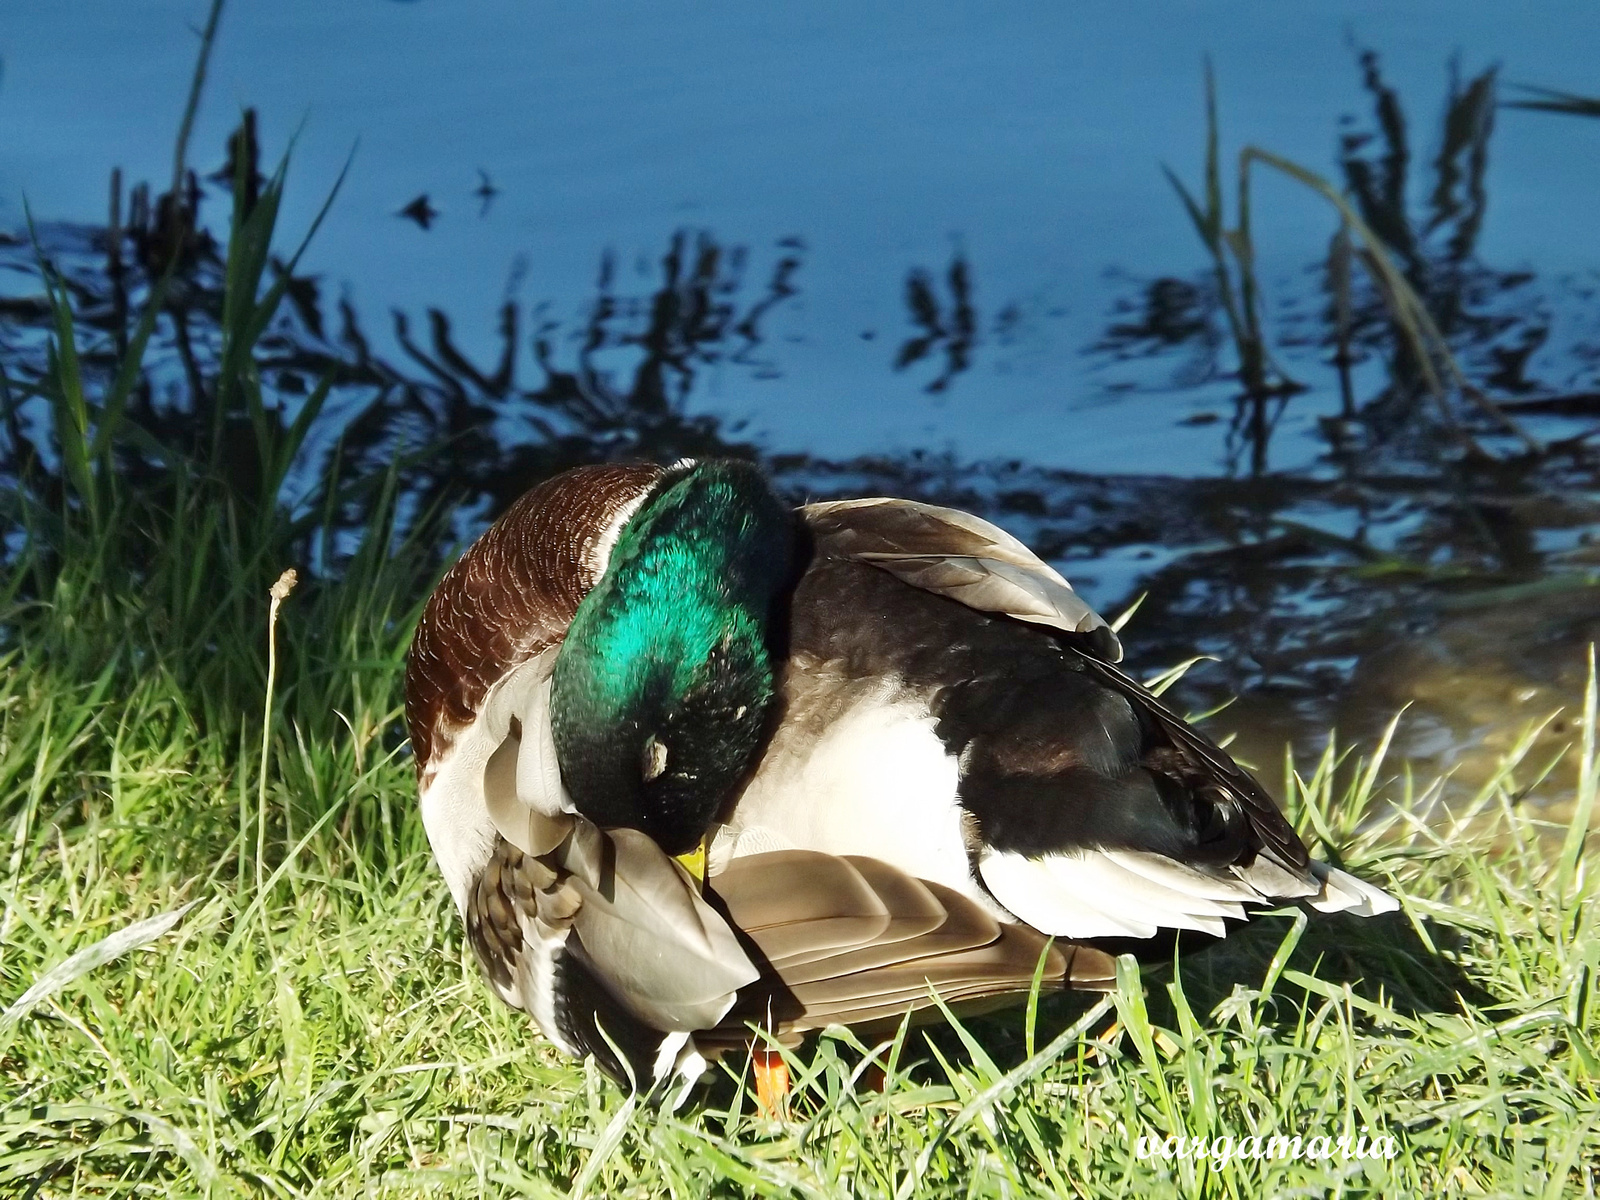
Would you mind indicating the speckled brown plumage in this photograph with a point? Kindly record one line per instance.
(511, 595)
(504, 893)
(838, 940)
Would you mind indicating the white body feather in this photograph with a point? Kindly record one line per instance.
(875, 780)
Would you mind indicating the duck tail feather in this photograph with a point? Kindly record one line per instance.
(1343, 892)
(1274, 882)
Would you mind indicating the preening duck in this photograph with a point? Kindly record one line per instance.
(899, 738)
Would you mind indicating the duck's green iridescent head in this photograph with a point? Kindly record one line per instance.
(662, 689)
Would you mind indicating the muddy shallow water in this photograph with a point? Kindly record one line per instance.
(929, 251)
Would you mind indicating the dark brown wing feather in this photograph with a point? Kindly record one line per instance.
(511, 595)
(1265, 818)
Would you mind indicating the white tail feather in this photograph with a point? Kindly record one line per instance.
(1343, 892)
(1119, 893)
(1092, 895)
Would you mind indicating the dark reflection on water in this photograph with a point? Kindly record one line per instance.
(1496, 321)
(1493, 318)
(1169, 314)
(617, 385)
(1398, 568)
(945, 320)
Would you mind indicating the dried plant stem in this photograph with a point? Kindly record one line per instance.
(1406, 306)
(279, 593)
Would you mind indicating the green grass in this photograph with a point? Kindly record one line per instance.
(326, 1033)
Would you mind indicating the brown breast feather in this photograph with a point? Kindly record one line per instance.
(510, 596)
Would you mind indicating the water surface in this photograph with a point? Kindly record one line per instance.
(929, 247)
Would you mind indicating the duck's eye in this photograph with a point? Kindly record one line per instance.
(653, 759)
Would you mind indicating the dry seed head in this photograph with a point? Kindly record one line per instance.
(285, 585)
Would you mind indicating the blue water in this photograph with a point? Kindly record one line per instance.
(882, 137)
(1017, 144)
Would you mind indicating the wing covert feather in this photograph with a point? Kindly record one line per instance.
(955, 554)
(931, 939)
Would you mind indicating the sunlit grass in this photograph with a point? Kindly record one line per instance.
(326, 1033)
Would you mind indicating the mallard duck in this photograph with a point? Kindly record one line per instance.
(690, 760)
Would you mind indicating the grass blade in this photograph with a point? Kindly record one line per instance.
(1588, 784)
(76, 966)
